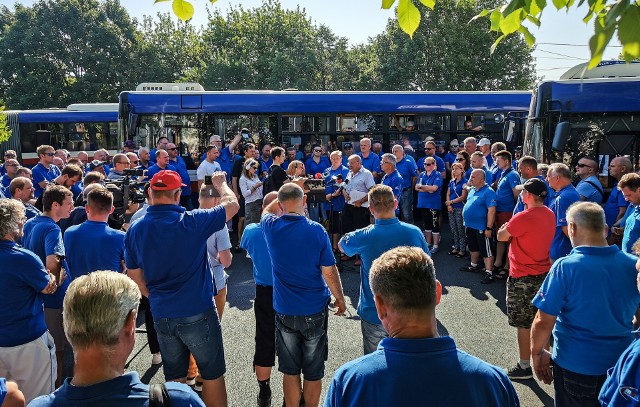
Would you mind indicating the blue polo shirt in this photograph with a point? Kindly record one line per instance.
(474, 212)
(489, 159)
(314, 168)
(439, 163)
(226, 160)
(372, 162)
(23, 277)
(31, 211)
(298, 247)
(41, 173)
(594, 294)
(154, 169)
(455, 191)
(93, 246)
(181, 169)
(43, 237)
(449, 158)
(253, 242)
(5, 181)
(338, 201)
(631, 229)
(395, 375)
(407, 169)
(395, 182)
(431, 200)
(495, 171)
(488, 175)
(614, 203)
(370, 243)
(591, 193)
(561, 245)
(547, 201)
(504, 194)
(621, 386)
(170, 245)
(126, 390)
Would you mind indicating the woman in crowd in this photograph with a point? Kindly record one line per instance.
(296, 169)
(465, 159)
(251, 189)
(429, 202)
(456, 197)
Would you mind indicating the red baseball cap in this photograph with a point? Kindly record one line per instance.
(166, 180)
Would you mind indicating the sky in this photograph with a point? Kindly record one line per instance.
(562, 40)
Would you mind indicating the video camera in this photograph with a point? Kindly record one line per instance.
(126, 190)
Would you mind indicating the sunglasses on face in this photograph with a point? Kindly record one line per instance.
(429, 148)
(134, 162)
(459, 159)
(580, 165)
(50, 154)
(9, 156)
(428, 164)
(172, 149)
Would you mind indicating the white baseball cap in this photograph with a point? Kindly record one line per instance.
(484, 142)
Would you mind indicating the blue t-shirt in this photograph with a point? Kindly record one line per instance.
(31, 211)
(330, 186)
(561, 245)
(474, 213)
(623, 381)
(440, 167)
(372, 162)
(395, 375)
(253, 242)
(314, 168)
(43, 237)
(614, 203)
(407, 169)
(170, 245)
(455, 191)
(23, 277)
(298, 247)
(370, 243)
(184, 176)
(126, 390)
(594, 295)
(591, 193)
(504, 194)
(41, 173)
(93, 246)
(547, 201)
(488, 175)
(431, 200)
(395, 182)
(450, 158)
(631, 229)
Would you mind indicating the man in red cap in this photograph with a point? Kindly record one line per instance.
(191, 326)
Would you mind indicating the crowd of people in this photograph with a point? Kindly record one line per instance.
(567, 254)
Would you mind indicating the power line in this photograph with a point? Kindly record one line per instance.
(562, 55)
(563, 58)
(562, 44)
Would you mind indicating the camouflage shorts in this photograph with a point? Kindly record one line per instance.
(520, 292)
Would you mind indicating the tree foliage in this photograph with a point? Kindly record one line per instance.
(5, 130)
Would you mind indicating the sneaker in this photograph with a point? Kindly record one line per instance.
(198, 387)
(156, 359)
(519, 373)
(473, 269)
(501, 274)
(488, 278)
(191, 381)
(264, 401)
(434, 250)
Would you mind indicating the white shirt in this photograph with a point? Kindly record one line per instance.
(207, 168)
(246, 186)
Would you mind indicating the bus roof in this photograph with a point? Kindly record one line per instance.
(66, 116)
(597, 95)
(324, 102)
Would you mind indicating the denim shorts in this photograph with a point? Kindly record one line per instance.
(302, 345)
(200, 335)
(372, 334)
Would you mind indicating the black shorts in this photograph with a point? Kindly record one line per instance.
(334, 226)
(478, 242)
(354, 218)
(241, 203)
(265, 353)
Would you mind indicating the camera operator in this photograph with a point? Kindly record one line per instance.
(70, 175)
(122, 173)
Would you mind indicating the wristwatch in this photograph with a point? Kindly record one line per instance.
(489, 229)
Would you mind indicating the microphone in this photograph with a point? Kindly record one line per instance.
(318, 176)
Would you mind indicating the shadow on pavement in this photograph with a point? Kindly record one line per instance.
(545, 398)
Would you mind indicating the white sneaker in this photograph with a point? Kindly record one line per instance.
(156, 359)
(191, 381)
(248, 256)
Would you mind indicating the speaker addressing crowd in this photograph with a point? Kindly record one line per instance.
(497, 207)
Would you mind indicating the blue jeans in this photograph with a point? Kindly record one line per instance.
(302, 345)
(575, 389)
(406, 205)
(372, 334)
(200, 335)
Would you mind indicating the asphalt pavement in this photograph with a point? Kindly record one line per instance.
(472, 313)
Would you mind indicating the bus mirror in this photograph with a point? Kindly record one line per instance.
(561, 136)
(498, 118)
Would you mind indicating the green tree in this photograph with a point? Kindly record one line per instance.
(5, 130)
(67, 51)
(446, 53)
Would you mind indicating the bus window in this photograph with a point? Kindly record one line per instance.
(304, 123)
(347, 123)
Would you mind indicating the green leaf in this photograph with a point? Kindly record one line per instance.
(560, 3)
(528, 37)
(496, 42)
(408, 17)
(386, 4)
(598, 42)
(483, 13)
(212, 1)
(611, 17)
(429, 3)
(512, 22)
(160, 1)
(183, 9)
(537, 6)
(496, 18)
(628, 32)
(533, 20)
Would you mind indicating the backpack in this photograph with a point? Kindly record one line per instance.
(267, 185)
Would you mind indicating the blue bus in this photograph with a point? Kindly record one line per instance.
(599, 117)
(190, 117)
(79, 127)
